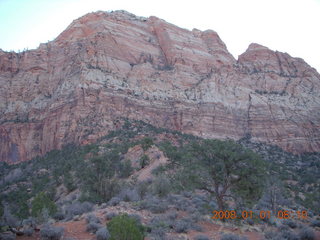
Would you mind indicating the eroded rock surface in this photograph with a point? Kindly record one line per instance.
(110, 65)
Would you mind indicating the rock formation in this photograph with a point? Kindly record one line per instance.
(110, 65)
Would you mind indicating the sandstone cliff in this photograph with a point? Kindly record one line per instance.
(110, 65)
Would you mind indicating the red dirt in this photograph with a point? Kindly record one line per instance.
(76, 230)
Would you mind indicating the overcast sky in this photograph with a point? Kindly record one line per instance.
(291, 26)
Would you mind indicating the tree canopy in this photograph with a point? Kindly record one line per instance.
(226, 167)
(223, 168)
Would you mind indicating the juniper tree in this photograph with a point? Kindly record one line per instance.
(226, 167)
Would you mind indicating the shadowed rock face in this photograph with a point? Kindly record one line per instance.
(110, 65)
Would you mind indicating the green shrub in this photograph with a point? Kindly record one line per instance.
(146, 143)
(142, 188)
(125, 169)
(69, 182)
(17, 199)
(1, 210)
(233, 237)
(144, 161)
(306, 233)
(49, 232)
(161, 186)
(123, 227)
(40, 202)
(201, 237)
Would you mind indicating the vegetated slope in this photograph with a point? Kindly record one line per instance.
(110, 65)
(107, 173)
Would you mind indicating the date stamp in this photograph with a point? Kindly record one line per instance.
(262, 214)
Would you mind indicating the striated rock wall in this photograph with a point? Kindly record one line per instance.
(110, 65)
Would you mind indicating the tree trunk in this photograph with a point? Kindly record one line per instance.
(220, 202)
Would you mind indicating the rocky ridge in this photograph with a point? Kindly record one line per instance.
(110, 65)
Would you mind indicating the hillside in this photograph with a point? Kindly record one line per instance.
(151, 174)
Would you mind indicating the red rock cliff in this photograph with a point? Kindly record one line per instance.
(110, 65)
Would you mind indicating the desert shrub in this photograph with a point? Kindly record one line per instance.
(196, 217)
(290, 223)
(125, 169)
(284, 233)
(191, 209)
(114, 201)
(59, 216)
(110, 215)
(87, 206)
(9, 219)
(49, 232)
(93, 227)
(306, 233)
(1, 209)
(123, 227)
(183, 204)
(175, 199)
(270, 235)
(154, 205)
(197, 228)
(162, 207)
(92, 219)
(232, 237)
(161, 186)
(213, 204)
(250, 221)
(161, 221)
(159, 226)
(78, 208)
(7, 236)
(135, 217)
(68, 181)
(287, 234)
(199, 202)
(146, 143)
(44, 216)
(158, 233)
(142, 188)
(201, 237)
(102, 234)
(272, 195)
(182, 226)
(29, 222)
(187, 194)
(28, 231)
(13, 175)
(144, 161)
(40, 202)
(130, 195)
(172, 215)
(272, 221)
(315, 223)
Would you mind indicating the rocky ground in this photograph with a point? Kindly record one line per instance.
(146, 191)
(76, 229)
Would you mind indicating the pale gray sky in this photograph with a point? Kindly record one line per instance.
(290, 26)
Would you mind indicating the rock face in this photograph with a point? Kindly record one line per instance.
(110, 65)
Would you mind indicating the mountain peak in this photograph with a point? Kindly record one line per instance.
(93, 23)
(256, 46)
